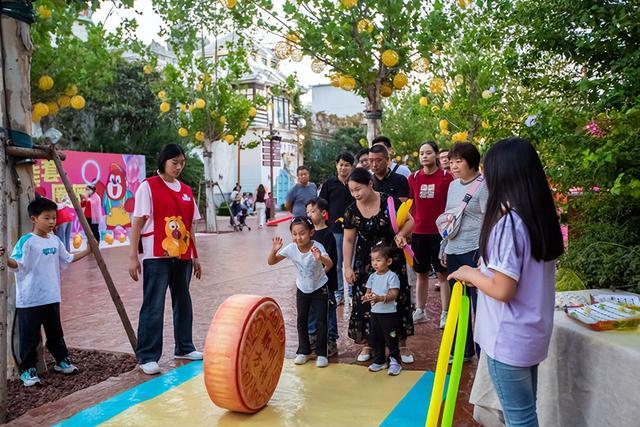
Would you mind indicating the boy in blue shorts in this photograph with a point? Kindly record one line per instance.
(37, 260)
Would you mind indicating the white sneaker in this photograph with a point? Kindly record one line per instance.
(301, 359)
(322, 362)
(363, 357)
(443, 319)
(419, 316)
(394, 367)
(194, 355)
(377, 367)
(150, 368)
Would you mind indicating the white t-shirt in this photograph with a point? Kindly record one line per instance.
(380, 285)
(144, 208)
(40, 260)
(311, 275)
(402, 169)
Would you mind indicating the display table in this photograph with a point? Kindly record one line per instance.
(589, 379)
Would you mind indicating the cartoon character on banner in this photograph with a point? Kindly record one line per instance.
(117, 200)
(135, 171)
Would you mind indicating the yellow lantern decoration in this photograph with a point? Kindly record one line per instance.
(485, 124)
(385, 89)
(390, 58)
(229, 139)
(199, 104)
(232, 3)
(486, 94)
(252, 112)
(223, 120)
(165, 107)
(398, 158)
(347, 83)
(199, 136)
(400, 80)
(199, 87)
(183, 132)
(77, 102)
(162, 95)
(72, 90)
(293, 37)
(459, 137)
(44, 12)
(446, 106)
(53, 107)
(436, 85)
(348, 4)
(365, 25)
(420, 65)
(464, 3)
(317, 66)
(335, 80)
(147, 69)
(459, 79)
(40, 109)
(435, 109)
(45, 83)
(443, 124)
(424, 101)
(184, 108)
(64, 101)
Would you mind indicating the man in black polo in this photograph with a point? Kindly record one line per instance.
(384, 179)
(337, 194)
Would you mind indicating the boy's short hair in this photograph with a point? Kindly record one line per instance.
(385, 251)
(41, 204)
(319, 202)
(302, 168)
(466, 151)
(345, 156)
(381, 139)
(379, 149)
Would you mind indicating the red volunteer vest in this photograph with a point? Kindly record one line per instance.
(172, 217)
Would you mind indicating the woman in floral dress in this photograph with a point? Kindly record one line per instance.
(367, 224)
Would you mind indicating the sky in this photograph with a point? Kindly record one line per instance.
(149, 24)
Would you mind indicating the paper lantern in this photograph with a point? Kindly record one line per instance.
(400, 80)
(420, 65)
(72, 90)
(424, 101)
(165, 107)
(183, 132)
(199, 136)
(45, 83)
(77, 102)
(317, 66)
(390, 58)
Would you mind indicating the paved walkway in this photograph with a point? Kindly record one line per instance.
(232, 263)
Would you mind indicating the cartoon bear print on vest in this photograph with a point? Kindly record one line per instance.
(177, 241)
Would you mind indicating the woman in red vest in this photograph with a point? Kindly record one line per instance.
(162, 237)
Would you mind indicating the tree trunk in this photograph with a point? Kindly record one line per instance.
(209, 183)
(17, 181)
(373, 114)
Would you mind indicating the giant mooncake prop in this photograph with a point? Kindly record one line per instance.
(244, 353)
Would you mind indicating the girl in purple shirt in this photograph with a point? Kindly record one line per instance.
(520, 242)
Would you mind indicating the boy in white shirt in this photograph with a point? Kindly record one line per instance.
(383, 287)
(37, 260)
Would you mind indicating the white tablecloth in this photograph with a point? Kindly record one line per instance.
(589, 379)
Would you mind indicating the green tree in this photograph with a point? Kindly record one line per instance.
(320, 155)
(370, 46)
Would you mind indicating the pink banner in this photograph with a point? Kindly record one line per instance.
(116, 178)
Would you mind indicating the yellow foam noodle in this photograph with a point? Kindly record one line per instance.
(403, 212)
(443, 356)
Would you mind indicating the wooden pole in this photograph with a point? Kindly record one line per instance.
(4, 280)
(93, 244)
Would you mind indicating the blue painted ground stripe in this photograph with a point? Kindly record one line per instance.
(121, 402)
(411, 411)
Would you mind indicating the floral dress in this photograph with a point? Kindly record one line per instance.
(371, 232)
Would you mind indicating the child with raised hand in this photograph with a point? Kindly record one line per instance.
(520, 241)
(383, 287)
(37, 260)
(317, 211)
(312, 262)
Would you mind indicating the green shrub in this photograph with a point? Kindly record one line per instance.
(604, 244)
(223, 209)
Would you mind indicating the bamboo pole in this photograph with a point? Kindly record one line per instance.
(93, 244)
